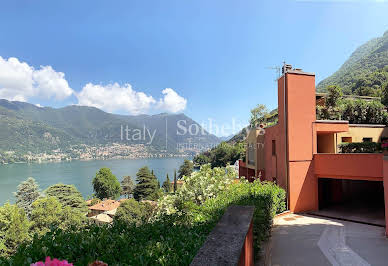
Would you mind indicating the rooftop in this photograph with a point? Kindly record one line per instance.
(106, 205)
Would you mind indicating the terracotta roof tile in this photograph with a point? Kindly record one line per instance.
(105, 205)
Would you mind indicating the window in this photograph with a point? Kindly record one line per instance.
(346, 139)
(366, 139)
(273, 147)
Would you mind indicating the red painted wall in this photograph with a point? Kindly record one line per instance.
(385, 182)
(357, 166)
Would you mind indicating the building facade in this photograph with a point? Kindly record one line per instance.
(300, 153)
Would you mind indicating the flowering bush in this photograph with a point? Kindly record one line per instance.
(197, 188)
(54, 262)
(167, 240)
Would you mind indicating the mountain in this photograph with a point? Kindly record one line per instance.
(27, 128)
(226, 138)
(363, 68)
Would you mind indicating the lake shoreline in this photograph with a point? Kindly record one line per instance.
(80, 173)
(99, 159)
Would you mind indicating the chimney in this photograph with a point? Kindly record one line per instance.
(286, 67)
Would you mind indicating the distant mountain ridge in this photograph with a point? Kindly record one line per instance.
(366, 59)
(26, 127)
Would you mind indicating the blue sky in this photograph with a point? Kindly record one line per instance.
(213, 54)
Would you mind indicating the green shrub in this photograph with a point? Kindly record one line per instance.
(171, 240)
(360, 147)
(132, 211)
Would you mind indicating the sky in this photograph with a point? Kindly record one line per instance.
(209, 59)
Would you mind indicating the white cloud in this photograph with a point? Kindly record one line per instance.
(19, 81)
(114, 97)
(172, 101)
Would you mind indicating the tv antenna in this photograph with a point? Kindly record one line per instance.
(278, 69)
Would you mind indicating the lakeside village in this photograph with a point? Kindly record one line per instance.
(85, 152)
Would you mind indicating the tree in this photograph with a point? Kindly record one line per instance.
(68, 195)
(106, 185)
(48, 212)
(334, 96)
(147, 185)
(258, 115)
(167, 185)
(384, 99)
(14, 228)
(95, 201)
(45, 212)
(186, 168)
(130, 211)
(127, 186)
(152, 172)
(27, 192)
(201, 159)
(175, 184)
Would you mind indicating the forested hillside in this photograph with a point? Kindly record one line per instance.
(26, 128)
(365, 72)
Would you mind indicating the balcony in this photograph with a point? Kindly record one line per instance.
(356, 166)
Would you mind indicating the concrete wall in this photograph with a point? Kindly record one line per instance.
(385, 182)
(326, 143)
(357, 166)
(358, 132)
(301, 113)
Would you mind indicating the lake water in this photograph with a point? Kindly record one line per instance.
(79, 173)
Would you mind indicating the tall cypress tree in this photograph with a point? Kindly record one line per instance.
(167, 185)
(175, 184)
(186, 169)
(147, 185)
(127, 186)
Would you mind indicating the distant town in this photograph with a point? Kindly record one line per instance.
(86, 152)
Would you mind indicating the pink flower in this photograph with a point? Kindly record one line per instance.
(54, 262)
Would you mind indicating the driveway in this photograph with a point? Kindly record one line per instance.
(311, 240)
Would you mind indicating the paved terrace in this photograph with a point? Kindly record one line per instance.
(309, 240)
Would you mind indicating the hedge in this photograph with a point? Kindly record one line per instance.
(171, 240)
(360, 147)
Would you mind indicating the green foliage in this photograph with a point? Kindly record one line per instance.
(23, 127)
(175, 182)
(171, 240)
(259, 115)
(14, 228)
(132, 212)
(356, 111)
(239, 137)
(27, 192)
(201, 159)
(186, 169)
(362, 73)
(147, 185)
(360, 147)
(95, 201)
(127, 186)
(167, 185)
(225, 154)
(48, 212)
(197, 188)
(68, 195)
(106, 185)
(334, 96)
(364, 112)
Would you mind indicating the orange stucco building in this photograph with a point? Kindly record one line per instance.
(300, 153)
